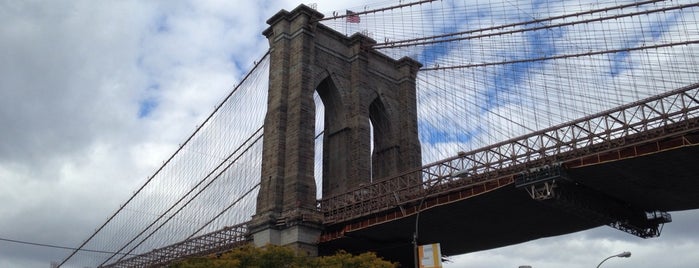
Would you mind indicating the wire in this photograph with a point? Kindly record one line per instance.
(493, 71)
(55, 246)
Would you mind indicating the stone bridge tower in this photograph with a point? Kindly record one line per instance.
(357, 85)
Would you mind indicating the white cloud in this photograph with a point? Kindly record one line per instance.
(586, 249)
(76, 141)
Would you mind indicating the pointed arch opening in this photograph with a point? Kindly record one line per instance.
(383, 154)
(318, 143)
(331, 138)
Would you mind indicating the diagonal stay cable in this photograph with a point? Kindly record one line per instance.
(224, 210)
(198, 230)
(202, 189)
(257, 64)
(53, 246)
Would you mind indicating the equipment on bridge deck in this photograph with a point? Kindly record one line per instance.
(540, 182)
(551, 184)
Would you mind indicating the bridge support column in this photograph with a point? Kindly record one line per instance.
(286, 205)
(359, 87)
(302, 237)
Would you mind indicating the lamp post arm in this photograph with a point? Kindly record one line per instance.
(598, 265)
(624, 254)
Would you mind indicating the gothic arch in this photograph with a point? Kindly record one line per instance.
(335, 136)
(382, 159)
(306, 56)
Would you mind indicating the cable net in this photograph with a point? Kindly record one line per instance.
(493, 70)
(209, 183)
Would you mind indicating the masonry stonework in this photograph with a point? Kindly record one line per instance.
(357, 85)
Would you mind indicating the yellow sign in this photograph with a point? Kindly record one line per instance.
(430, 256)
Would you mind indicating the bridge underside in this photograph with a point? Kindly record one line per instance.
(664, 181)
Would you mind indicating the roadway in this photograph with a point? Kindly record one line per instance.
(666, 180)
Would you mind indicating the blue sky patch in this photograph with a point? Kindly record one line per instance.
(430, 55)
(433, 135)
(239, 67)
(619, 61)
(540, 44)
(148, 104)
(161, 24)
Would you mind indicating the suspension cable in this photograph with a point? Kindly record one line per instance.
(633, 14)
(392, 44)
(131, 198)
(375, 10)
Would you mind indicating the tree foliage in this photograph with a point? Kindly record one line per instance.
(278, 256)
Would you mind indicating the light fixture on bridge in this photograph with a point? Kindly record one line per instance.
(624, 254)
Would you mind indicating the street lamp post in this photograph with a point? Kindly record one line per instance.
(417, 221)
(624, 254)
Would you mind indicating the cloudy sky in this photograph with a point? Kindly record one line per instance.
(95, 95)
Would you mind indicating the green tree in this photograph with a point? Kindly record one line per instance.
(277, 256)
(345, 260)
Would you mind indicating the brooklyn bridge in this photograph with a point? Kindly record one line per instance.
(473, 125)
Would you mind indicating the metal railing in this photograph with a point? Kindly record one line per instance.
(668, 114)
(213, 242)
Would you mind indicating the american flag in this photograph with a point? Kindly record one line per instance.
(352, 17)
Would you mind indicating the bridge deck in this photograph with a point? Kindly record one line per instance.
(661, 181)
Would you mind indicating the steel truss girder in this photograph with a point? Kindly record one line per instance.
(540, 182)
(600, 208)
(670, 114)
(217, 241)
(551, 185)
